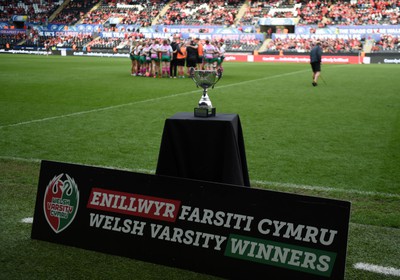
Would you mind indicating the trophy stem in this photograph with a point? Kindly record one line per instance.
(205, 101)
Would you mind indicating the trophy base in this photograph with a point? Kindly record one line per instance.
(203, 112)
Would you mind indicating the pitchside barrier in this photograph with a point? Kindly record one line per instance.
(379, 58)
(223, 230)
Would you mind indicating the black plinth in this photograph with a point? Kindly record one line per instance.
(207, 149)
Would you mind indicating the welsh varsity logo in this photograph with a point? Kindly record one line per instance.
(61, 200)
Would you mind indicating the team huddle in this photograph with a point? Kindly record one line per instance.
(168, 58)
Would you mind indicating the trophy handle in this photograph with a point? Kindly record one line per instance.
(191, 73)
(219, 75)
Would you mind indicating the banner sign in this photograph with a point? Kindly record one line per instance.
(157, 31)
(384, 58)
(278, 21)
(76, 28)
(12, 31)
(293, 58)
(204, 36)
(342, 59)
(166, 31)
(362, 31)
(63, 33)
(218, 229)
(114, 20)
(376, 37)
(216, 36)
(20, 18)
(210, 29)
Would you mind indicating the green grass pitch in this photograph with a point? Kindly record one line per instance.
(340, 140)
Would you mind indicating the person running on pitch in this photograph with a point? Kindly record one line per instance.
(315, 61)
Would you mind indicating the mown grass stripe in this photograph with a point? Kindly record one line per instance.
(257, 182)
(142, 101)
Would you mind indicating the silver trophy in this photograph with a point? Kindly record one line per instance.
(205, 79)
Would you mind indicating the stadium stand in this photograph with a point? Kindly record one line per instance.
(38, 11)
(137, 12)
(131, 16)
(199, 12)
(304, 45)
(388, 43)
(349, 12)
(8, 41)
(73, 10)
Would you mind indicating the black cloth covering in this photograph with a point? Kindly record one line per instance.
(207, 149)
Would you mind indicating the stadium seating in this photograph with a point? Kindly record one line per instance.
(141, 13)
(201, 13)
(228, 13)
(38, 11)
(73, 11)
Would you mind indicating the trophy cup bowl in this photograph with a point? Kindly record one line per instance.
(205, 79)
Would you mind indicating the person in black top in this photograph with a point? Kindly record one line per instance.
(315, 61)
(173, 66)
(191, 54)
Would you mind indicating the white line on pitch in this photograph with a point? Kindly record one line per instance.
(378, 269)
(140, 102)
(28, 220)
(322, 188)
(266, 183)
(92, 111)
